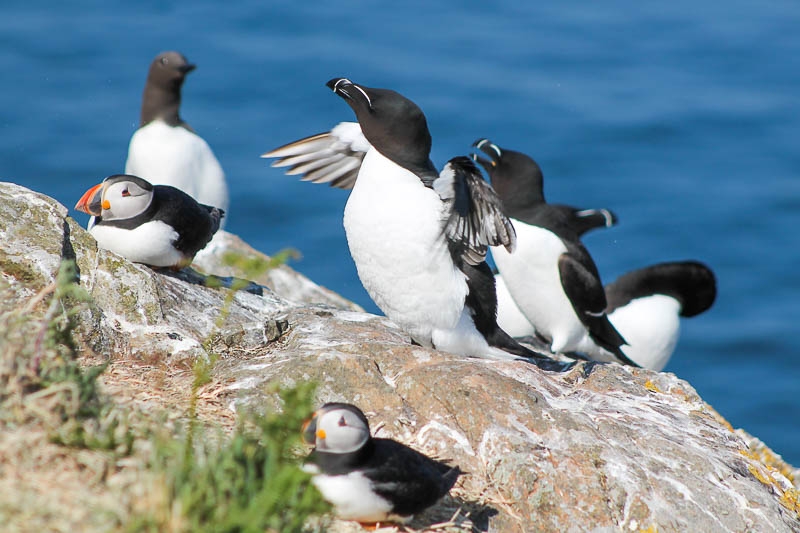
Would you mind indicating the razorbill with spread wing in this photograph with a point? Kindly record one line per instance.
(166, 150)
(157, 225)
(418, 237)
(370, 479)
(551, 276)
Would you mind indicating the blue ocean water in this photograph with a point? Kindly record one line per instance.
(683, 117)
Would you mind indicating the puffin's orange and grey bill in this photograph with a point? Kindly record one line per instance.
(310, 430)
(91, 201)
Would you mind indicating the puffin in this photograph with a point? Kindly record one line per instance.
(418, 237)
(551, 276)
(165, 149)
(157, 225)
(366, 479)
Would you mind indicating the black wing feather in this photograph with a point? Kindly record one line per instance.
(475, 217)
(410, 480)
(195, 223)
(585, 292)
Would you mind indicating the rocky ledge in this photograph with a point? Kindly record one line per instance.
(590, 447)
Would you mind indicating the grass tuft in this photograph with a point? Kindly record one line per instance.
(41, 376)
(187, 477)
(250, 481)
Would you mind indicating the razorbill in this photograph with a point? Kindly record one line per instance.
(645, 306)
(157, 225)
(165, 149)
(370, 479)
(418, 237)
(551, 276)
(509, 317)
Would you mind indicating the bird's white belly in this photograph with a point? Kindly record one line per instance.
(150, 243)
(509, 317)
(394, 231)
(651, 326)
(175, 156)
(532, 277)
(352, 496)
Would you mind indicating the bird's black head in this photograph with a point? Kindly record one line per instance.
(162, 92)
(392, 123)
(169, 69)
(515, 177)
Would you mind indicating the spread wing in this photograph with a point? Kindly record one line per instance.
(476, 219)
(333, 157)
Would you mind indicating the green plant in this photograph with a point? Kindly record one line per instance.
(248, 482)
(194, 478)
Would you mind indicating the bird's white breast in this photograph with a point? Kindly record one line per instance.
(168, 155)
(509, 317)
(394, 227)
(532, 277)
(352, 496)
(150, 243)
(651, 326)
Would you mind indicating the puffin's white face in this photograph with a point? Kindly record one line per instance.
(337, 428)
(124, 199)
(119, 197)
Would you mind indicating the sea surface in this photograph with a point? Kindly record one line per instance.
(683, 117)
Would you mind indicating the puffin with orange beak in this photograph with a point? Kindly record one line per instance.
(370, 480)
(157, 225)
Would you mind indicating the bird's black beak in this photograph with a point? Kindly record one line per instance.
(348, 90)
(340, 86)
(489, 148)
(187, 68)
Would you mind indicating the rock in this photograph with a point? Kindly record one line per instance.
(282, 280)
(137, 310)
(594, 447)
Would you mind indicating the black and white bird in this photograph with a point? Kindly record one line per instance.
(509, 317)
(551, 276)
(418, 237)
(370, 479)
(157, 225)
(165, 149)
(644, 305)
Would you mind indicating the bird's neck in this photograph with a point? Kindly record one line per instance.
(159, 103)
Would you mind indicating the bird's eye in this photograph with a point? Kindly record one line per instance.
(125, 192)
(342, 422)
(164, 60)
